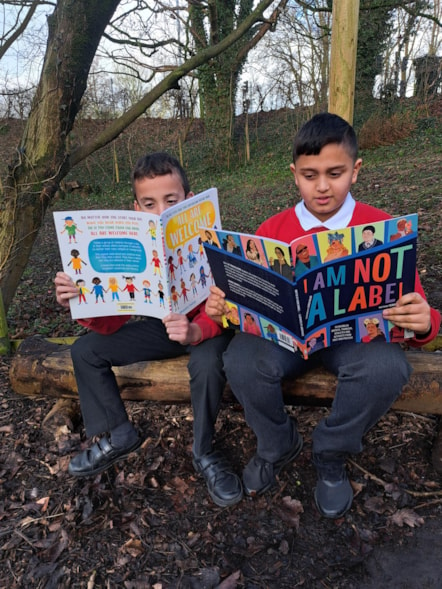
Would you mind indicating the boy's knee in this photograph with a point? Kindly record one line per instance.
(77, 349)
(253, 365)
(396, 361)
(82, 349)
(208, 365)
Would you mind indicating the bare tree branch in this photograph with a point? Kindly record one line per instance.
(169, 82)
(20, 28)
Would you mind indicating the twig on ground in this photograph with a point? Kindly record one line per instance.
(384, 484)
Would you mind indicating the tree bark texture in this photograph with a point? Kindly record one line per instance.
(42, 368)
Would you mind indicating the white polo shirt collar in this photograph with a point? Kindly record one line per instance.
(339, 220)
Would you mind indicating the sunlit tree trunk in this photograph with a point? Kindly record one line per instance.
(343, 58)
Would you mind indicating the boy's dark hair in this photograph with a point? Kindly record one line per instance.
(159, 164)
(322, 129)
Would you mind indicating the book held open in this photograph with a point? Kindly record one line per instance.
(320, 289)
(130, 262)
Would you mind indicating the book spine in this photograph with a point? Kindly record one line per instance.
(166, 270)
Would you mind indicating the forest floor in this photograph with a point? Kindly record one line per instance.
(149, 523)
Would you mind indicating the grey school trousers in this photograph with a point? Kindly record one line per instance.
(94, 355)
(370, 378)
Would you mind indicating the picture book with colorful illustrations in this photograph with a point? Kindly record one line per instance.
(137, 263)
(321, 289)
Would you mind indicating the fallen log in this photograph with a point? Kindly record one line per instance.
(39, 367)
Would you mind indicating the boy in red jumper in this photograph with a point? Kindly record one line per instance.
(158, 182)
(370, 378)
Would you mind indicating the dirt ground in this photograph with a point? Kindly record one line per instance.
(149, 523)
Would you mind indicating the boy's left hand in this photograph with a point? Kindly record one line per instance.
(410, 312)
(215, 304)
(181, 330)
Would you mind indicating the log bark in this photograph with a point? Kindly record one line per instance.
(42, 368)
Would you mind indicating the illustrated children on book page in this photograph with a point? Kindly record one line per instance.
(129, 260)
(115, 253)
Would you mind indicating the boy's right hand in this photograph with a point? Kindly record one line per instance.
(215, 304)
(65, 289)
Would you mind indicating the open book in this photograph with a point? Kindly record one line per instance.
(319, 290)
(128, 262)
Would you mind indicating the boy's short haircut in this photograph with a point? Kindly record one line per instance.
(159, 164)
(321, 130)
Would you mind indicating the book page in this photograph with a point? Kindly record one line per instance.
(118, 260)
(114, 265)
(188, 271)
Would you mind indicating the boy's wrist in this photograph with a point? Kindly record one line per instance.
(425, 334)
(195, 335)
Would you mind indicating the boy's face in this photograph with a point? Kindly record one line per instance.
(155, 195)
(325, 179)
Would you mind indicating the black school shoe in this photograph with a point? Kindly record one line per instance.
(99, 457)
(259, 475)
(333, 493)
(223, 484)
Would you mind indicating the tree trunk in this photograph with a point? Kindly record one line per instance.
(344, 44)
(218, 79)
(75, 29)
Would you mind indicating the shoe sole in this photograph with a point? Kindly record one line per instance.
(222, 503)
(278, 466)
(91, 473)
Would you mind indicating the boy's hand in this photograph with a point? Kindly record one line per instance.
(181, 330)
(215, 304)
(65, 289)
(410, 312)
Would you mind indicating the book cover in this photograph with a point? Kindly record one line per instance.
(320, 289)
(137, 263)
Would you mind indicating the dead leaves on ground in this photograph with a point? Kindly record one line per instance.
(406, 517)
(290, 510)
(150, 522)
